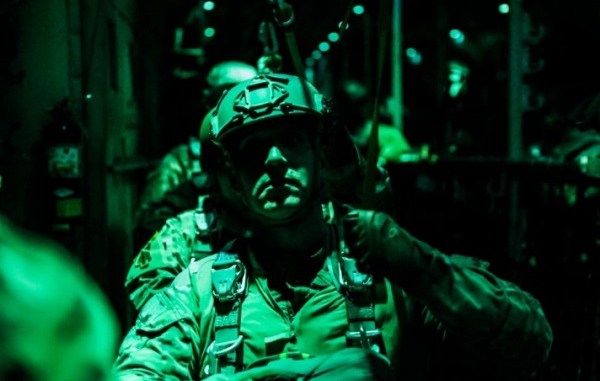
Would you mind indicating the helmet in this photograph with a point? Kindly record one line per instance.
(223, 76)
(264, 97)
(244, 108)
(228, 73)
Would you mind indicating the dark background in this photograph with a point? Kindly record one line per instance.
(134, 96)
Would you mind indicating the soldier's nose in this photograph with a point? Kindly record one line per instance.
(276, 163)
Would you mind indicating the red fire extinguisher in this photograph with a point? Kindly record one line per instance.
(63, 139)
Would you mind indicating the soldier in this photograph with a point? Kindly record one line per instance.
(55, 324)
(173, 186)
(299, 296)
(176, 187)
(177, 211)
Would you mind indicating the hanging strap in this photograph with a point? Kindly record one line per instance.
(229, 283)
(283, 15)
(373, 145)
(358, 290)
(194, 149)
(206, 227)
(230, 286)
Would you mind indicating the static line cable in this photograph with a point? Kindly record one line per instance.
(385, 10)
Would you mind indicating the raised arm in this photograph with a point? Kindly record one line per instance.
(491, 318)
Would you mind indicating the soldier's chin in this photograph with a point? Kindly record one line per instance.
(278, 211)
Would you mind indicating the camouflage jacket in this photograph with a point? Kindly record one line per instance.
(167, 254)
(463, 318)
(185, 235)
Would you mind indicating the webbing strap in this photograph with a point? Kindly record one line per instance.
(229, 280)
(205, 228)
(373, 145)
(194, 149)
(358, 290)
(360, 309)
(362, 328)
(283, 15)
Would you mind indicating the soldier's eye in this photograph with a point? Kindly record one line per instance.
(251, 146)
(294, 140)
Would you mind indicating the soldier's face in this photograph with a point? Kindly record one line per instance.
(276, 165)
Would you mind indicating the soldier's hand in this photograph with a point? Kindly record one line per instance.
(367, 233)
(382, 247)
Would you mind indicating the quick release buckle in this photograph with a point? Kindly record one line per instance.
(368, 339)
(217, 350)
(350, 278)
(229, 280)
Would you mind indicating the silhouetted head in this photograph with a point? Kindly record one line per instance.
(263, 148)
(56, 325)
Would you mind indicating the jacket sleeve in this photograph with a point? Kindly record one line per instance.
(171, 172)
(488, 318)
(163, 344)
(166, 254)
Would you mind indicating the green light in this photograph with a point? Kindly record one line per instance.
(414, 56)
(532, 261)
(208, 6)
(457, 75)
(457, 35)
(333, 37)
(209, 32)
(317, 54)
(454, 90)
(503, 8)
(535, 151)
(324, 46)
(358, 9)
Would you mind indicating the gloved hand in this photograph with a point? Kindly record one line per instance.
(383, 248)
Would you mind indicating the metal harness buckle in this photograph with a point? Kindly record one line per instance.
(351, 280)
(229, 280)
(368, 339)
(217, 350)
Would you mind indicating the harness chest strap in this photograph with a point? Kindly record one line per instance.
(358, 290)
(205, 227)
(229, 281)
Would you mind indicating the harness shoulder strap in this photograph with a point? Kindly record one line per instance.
(229, 287)
(205, 228)
(358, 291)
(194, 150)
